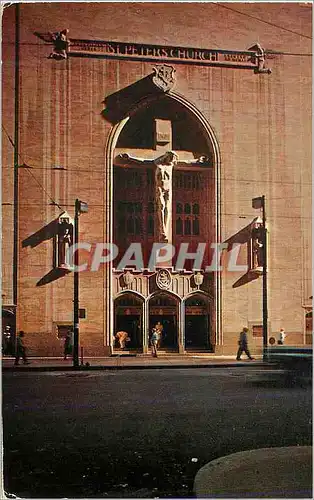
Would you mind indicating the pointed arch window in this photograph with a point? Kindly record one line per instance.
(138, 226)
(121, 224)
(196, 226)
(196, 209)
(179, 208)
(130, 226)
(187, 227)
(179, 226)
(138, 207)
(187, 208)
(150, 225)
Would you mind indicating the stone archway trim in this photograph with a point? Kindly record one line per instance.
(110, 146)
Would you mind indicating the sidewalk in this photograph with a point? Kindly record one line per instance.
(131, 362)
(262, 473)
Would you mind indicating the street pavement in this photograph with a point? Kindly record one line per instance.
(139, 434)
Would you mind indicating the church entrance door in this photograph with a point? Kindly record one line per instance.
(197, 331)
(164, 309)
(128, 318)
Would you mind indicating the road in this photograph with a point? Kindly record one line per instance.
(138, 433)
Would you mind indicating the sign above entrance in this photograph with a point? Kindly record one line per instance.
(254, 58)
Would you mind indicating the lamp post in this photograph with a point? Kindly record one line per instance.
(80, 207)
(16, 157)
(260, 203)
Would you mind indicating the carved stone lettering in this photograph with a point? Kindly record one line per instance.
(254, 58)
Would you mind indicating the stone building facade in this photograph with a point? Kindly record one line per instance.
(102, 99)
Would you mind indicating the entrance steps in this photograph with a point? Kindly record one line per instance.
(163, 353)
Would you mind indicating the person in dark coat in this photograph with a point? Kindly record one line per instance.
(68, 344)
(243, 344)
(20, 351)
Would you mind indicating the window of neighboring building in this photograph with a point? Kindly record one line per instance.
(257, 330)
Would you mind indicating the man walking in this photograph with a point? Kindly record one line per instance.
(243, 344)
(20, 349)
(154, 342)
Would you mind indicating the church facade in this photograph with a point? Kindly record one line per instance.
(145, 146)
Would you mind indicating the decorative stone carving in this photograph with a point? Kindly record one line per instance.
(163, 182)
(163, 167)
(258, 248)
(128, 278)
(164, 77)
(60, 41)
(163, 279)
(260, 56)
(65, 240)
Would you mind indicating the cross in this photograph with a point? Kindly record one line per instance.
(163, 160)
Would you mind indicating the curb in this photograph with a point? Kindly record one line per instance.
(128, 367)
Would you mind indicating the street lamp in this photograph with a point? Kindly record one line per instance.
(80, 208)
(260, 203)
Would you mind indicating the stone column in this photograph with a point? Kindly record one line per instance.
(182, 327)
(145, 326)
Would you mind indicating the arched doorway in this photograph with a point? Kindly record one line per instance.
(197, 323)
(164, 308)
(165, 122)
(129, 309)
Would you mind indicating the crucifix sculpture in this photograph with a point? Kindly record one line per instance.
(163, 167)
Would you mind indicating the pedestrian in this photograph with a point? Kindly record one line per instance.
(7, 341)
(159, 329)
(68, 344)
(154, 342)
(20, 351)
(122, 337)
(243, 345)
(282, 336)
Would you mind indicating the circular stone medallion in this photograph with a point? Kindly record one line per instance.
(163, 279)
